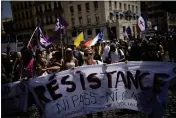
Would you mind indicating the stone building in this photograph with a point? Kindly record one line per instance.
(89, 17)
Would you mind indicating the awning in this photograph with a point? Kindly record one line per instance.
(121, 13)
(112, 13)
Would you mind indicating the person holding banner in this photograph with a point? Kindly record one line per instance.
(89, 60)
(26, 69)
(70, 61)
(88, 53)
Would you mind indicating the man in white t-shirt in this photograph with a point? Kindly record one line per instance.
(115, 55)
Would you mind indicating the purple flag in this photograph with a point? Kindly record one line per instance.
(60, 24)
(128, 30)
(45, 41)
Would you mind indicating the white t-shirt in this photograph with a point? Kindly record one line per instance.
(105, 52)
(115, 56)
(97, 62)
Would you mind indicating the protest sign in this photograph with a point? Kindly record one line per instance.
(13, 98)
(135, 85)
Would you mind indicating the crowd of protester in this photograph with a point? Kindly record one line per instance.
(29, 63)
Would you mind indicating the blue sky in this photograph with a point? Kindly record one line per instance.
(6, 9)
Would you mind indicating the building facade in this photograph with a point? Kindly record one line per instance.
(161, 19)
(88, 17)
(29, 14)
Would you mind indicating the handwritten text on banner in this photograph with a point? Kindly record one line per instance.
(135, 86)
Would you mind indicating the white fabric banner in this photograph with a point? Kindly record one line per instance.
(14, 98)
(135, 85)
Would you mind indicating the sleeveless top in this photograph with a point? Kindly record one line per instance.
(70, 65)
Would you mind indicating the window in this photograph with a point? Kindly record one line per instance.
(30, 14)
(79, 8)
(19, 17)
(88, 20)
(45, 7)
(30, 4)
(110, 4)
(120, 5)
(73, 21)
(47, 20)
(27, 15)
(97, 18)
(32, 24)
(29, 24)
(134, 32)
(117, 17)
(17, 6)
(124, 28)
(124, 6)
(80, 20)
(96, 5)
(51, 20)
(74, 33)
(25, 5)
(97, 31)
(21, 5)
(41, 9)
(15, 18)
(115, 5)
(136, 9)
(49, 5)
(55, 4)
(22, 15)
(20, 26)
(36, 9)
(14, 8)
(132, 8)
(87, 6)
(55, 16)
(110, 16)
(89, 32)
(71, 9)
(129, 7)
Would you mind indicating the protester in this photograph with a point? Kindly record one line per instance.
(78, 55)
(27, 64)
(88, 53)
(115, 54)
(89, 60)
(69, 61)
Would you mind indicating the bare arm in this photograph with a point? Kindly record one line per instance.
(53, 68)
(76, 62)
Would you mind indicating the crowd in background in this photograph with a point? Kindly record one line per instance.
(29, 63)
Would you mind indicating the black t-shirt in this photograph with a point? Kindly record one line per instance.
(97, 57)
(150, 56)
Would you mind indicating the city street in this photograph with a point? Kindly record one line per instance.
(70, 58)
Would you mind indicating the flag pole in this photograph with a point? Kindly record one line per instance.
(62, 44)
(32, 37)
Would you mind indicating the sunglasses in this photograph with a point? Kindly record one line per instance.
(87, 54)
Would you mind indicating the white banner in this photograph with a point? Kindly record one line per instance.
(14, 98)
(135, 85)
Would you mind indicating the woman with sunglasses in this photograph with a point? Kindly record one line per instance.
(89, 60)
(89, 57)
